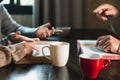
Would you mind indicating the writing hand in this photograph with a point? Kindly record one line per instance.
(108, 43)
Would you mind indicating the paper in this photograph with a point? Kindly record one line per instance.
(40, 46)
(88, 46)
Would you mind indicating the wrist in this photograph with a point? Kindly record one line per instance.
(12, 38)
(118, 50)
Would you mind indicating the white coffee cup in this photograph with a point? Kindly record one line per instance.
(59, 53)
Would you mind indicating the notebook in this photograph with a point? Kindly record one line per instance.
(37, 57)
(88, 46)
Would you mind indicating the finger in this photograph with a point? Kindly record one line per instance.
(99, 39)
(13, 35)
(46, 25)
(36, 39)
(105, 45)
(102, 7)
(18, 32)
(97, 10)
(52, 31)
(101, 12)
(102, 16)
(106, 48)
(102, 37)
(97, 43)
(44, 35)
(35, 48)
(102, 41)
(56, 30)
(109, 13)
(48, 33)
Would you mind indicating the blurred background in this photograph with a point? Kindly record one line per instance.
(78, 14)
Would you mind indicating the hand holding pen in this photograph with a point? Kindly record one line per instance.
(105, 10)
(109, 44)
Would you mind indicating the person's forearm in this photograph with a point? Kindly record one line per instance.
(17, 51)
(11, 53)
(9, 25)
(8, 40)
(29, 32)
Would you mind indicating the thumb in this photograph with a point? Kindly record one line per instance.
(18, 32)
(46, 25)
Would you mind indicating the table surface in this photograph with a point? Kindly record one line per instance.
(72, 71)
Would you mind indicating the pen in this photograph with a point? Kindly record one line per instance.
(112, 27)
(58, 31)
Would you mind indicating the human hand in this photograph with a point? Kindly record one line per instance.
(19, 38)
(105, 10)
(44, 31)
(108, 43)
(29, 48)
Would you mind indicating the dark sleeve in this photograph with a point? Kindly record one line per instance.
(115, 3)
(5, 41)
(8, 40)
(8, 25)
(11, 53)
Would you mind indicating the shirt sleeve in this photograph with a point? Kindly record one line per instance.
(9, 25)
(11, 53)
(5, 41)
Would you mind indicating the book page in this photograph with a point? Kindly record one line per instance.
(88, 46)
(40, 46)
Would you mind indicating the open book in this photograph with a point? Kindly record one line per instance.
(88, 46)
(37, 57)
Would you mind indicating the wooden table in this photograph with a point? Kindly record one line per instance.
(72, 71)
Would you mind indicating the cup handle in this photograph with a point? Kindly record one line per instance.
(44, 53)
(106, 63)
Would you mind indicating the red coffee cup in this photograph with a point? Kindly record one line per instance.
(92, 64)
